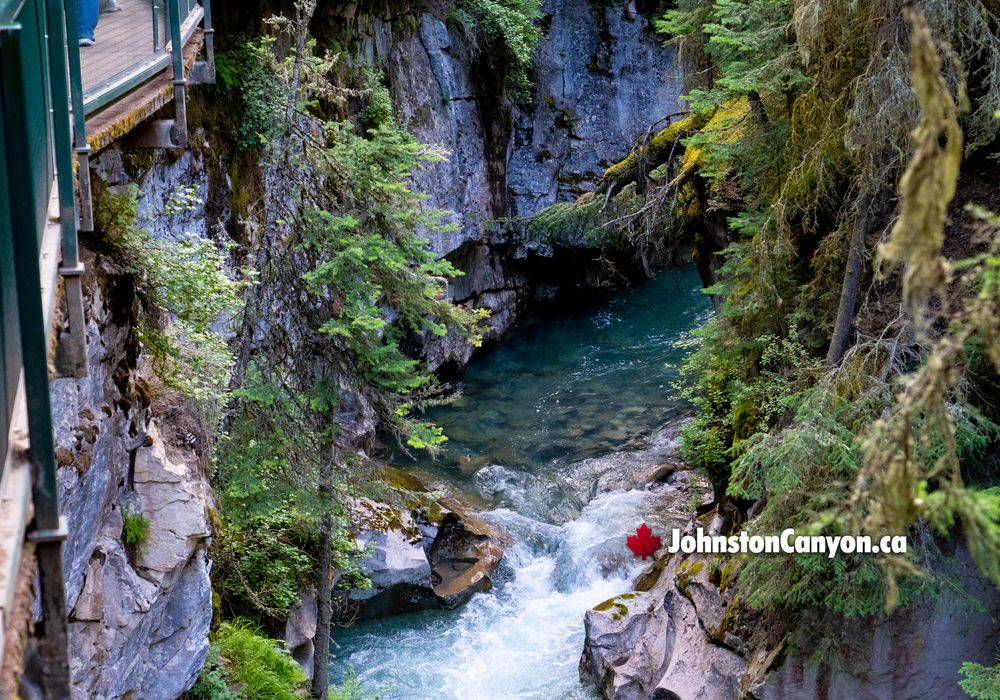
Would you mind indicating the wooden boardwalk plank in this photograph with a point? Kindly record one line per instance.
(119, 118)
(124, 40)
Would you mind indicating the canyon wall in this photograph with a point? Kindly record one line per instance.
(127, 448)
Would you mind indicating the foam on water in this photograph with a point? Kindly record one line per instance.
(524, 639)
(563, 387)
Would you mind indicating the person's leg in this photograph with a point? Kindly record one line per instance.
(86, 18)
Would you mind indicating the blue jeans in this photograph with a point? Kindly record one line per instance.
(86, 18)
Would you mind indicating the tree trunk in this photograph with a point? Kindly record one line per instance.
(321, 642)
(868, 213)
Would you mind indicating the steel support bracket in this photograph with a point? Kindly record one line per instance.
(58, 534)
(72, 270)
(202, 73)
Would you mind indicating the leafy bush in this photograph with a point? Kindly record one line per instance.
(267, 542)
(980, 682)
(509, 24)
(378, 111)
(185, 281)
(213, 681)
(264, 563)
(242, 76)
(135, 529)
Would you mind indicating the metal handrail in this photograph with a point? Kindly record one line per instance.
(43, 109)
(159, 57)
(36, 150)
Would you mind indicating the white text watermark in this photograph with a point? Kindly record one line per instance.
(785, 543)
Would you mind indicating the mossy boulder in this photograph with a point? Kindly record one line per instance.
(427, 556)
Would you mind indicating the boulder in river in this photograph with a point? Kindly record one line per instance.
(420, 558)
(656, 643)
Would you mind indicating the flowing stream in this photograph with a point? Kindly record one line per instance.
(566, 386)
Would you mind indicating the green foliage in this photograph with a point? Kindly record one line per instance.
(190, 299)
(752, 44)
(241, 75)
(802, 470)
(213, 681)
(812, 110)
(267, 544)
(135, 529)
(509, 24)
(589, 221)
(350, 689)
(264, 561)
(259, 667)
(242, 664)
(980, 682)
(378, 111)
(373, 255)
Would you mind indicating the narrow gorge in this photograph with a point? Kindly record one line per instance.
(444, 299)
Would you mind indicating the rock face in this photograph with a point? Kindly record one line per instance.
(420, 559)
(669, 639)
(143, 610)
(600, 72)
(602, 77)
(657, 644)
(915, 654)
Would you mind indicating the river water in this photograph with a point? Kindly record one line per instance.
(565, 386)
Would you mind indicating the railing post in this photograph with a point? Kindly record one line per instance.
(49, 526)
(80, 144)
(156, 25)
(180, 83)
(209, 32)
(73, 352)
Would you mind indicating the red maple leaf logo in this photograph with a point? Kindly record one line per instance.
(643, 543)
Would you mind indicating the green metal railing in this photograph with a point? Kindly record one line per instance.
(36, 151)
(171, 24)
(43, 109)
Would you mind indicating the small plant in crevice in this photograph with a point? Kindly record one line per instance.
(135, 529)
(182, 199)
(241, 75)
(378, 110)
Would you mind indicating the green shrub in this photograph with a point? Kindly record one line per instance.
(378, 111)
(267, 543)
(980, 682)
(241, 76)
(213, 681)
(136, 529)
(189, 298)
(259, 667)
(509, 24)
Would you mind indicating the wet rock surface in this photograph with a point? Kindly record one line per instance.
(670, 639)
(417, 561)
